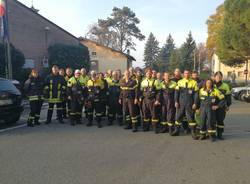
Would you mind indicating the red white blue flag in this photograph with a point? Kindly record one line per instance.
(4, 20)
(2, 8)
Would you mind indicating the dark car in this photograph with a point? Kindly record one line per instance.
(10, 102)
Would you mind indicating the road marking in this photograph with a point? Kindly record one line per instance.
(12, 128)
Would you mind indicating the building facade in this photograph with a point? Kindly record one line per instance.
(227, 70)
(103, 58)
(32, 34)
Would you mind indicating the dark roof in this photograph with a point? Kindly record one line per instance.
(79, 39)
(32, 10)
(113, 50)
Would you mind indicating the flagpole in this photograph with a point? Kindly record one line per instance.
(7, 44)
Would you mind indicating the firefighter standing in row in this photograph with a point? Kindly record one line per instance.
(151, 93)
(76, 93)
(64, 100)
(55, 91)
(221, 112)
(128, 98)
(185, 103)
(34, 89)
(69, 74)
(209, 100)
(95, 88)
(168, 104)
(114, 107)
(138, 106)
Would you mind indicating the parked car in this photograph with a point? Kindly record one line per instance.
(10, 101)
(241, 93)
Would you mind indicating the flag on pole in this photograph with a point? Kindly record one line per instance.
(2, 8)
(4, 20)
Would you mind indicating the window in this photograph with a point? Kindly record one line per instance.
(94, 65)
(94, 54)
(240, 74)
(29, 63)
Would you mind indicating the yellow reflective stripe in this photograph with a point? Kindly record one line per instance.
(50, 92)
(155, 120)
(192, 124)
(177, 123)
(59, 90)
(146, 120)
(220, 126)
(203, 132)
(170, 124)
(164, 123)
(211, 131)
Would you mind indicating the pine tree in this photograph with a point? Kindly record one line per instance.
(175, 60)
(187, 53)
(165, 53)
(151, 51)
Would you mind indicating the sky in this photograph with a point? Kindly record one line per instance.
(160, 17)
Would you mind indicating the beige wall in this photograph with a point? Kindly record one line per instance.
(27, 33)
(107, 59)
(226, 70)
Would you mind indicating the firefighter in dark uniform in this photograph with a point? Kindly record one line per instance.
(64, 101)
(34, 89)
(138, 106)
(151, 93)
(55, 91)
(221, 112)
(209, 100)
(104, 92)
(76, 93)
(114, 107)
(93, 103)
(128, 99)
(168, 104)
(185, 92)
(69, 74)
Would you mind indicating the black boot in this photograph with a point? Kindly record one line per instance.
(155, 128)
(30, 123)
(212, 137)
(170, 130)
(134, 128)
(99, 124)
(72, 123)
(110, 123)
(176, 131)
(164, 129)
(219, 134)
(37, 122)
(202, 137)
(145, 127)
(61, 121)
(193, 133)
(128, 126)
(48, 121)
(89, 124)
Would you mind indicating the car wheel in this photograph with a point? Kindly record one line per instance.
(241, 96)
(13, 119)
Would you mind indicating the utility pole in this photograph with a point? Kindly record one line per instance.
(194, 59)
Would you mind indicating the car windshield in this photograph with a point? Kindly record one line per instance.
(7, 86)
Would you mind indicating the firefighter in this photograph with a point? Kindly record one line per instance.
(151, 93)
(128, 99)
(138, 106)
(154, 74)
(221, 112)
(104, 92)
(114, 107)
(34, 89)
(132, 73)
(108, 76)
(93, 103)
(76, 93)
(84, 76)
(177, 75)
(55, 91)
(64, 101)
(209, 99)
(69, 74)
(195, 76)
(185, 92)
(168, 104)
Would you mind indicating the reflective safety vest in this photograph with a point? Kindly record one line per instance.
(95, 89)
(128, 89)
(212, 97)
(225, 89)
(150, 88)
(185, 91)
(55, 88)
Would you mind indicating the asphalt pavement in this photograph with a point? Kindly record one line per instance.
(61, 154)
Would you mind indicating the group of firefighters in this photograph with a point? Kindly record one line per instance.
(148, 99)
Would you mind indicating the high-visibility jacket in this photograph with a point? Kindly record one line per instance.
(128, 89)
(210, 98)
(185, 91)
(168, 89)
(95, 89)
(34, 88)
(151, 88)
(76, 88)
(55, 88)
(225, 89)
